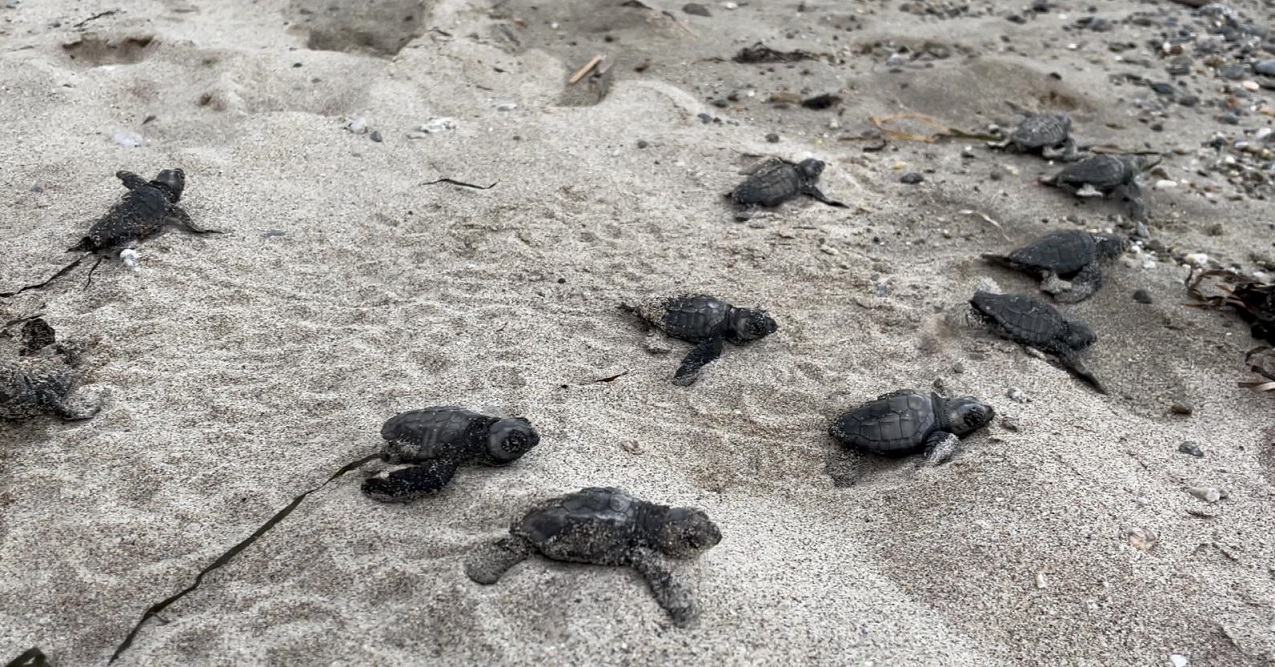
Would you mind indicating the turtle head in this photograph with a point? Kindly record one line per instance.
(1140, 163)
(509, 439)
(810, 168)
(968, 414)
(686, 532)
(172, 181)
(1111, 246)
(1079, 335)
(752, 323)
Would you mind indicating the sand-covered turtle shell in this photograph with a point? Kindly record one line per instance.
(596, 525)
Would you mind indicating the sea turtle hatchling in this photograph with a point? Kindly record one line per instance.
(1102, 175)
(775, 181)
(1068, 262)
(906, 422)
(606, 526)
(1048, 134)
(143, 212)
(438, 440)
(705, 321)
(44, 378)
(1034, 323)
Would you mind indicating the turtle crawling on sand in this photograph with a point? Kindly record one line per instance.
(437, 441)
(705, 321)
(1068, 262)
(1048, 134)
(776, 180)
(1034, 323)
(906, 422)
(44, 378)
(606, 526)
(1102, 175)
(145, 210)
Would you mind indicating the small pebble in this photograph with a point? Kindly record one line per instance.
(1011, 424)
(911, 178)
(436, 125)
(357, 126)
(1196, 259)
(642, 143)
(1179, 660)
(1192, 449)
(1016, 394)
(730, 5)
(506, 106)
(958, 368)
(695, 9)
(1142, 296)
(1165, 184)
(129, 257)
(772, 138)
(1265, 68)
(376, 136)
(1250, 86)
(1040, 580)
(1208, 494)
(1180, 408)
(271, 233)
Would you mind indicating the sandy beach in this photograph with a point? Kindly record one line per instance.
(240, 370)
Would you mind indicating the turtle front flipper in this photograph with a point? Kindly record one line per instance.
(1080, 287)
(1137, 202)
(73, 410)
(940, 447)
(1072, 363)
(489, 562)
(408, 484)
(815, 193)
(130, 180)
(699, 356)
(669, 592)
(179, 217)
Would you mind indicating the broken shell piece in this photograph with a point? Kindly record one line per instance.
(129, 256)
(1206, 493)
(1142, 539)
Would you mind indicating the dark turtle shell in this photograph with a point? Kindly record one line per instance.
(1023, 318)
(436, 432)
(695, 317)
(895, 424)
(594, 525)
(1063, 252)
(1101, 171)
(1043, 130)
(775, 182)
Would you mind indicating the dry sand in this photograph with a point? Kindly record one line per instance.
(243, 369)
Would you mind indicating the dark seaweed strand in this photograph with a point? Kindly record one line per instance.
(33, 657)
(234, 551)
(462, 183)
(65, 270)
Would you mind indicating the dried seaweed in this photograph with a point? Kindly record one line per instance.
(1253, 301)
(760, 53)
(226, 557)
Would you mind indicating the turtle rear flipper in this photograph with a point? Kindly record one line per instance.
(701, 355)
(671, 595)
(1004, 261)
(408, 484)
(490, 561)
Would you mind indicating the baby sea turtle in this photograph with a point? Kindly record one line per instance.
(1034, 323)
(705, 321)
(144, 211)
(776, 180)
(44, 377)
(1048, 134)
(1068, 262)
(438, 440)
(906, 422)
(606, 526)
(1102, 175)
